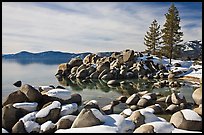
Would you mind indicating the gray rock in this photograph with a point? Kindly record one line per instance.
(187, 119)
(172, 108)
(108, 109)
(144, 129)
(103, 66)
(19, 127)
(75, 62)
(137, 118)
(133, 99)
(86, 118)
(15, 97)
(65, 122)
(32, 94)
(197, 96)
(82, 74)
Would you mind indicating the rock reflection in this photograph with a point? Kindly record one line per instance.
(126, 87)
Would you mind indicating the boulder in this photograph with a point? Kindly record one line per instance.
(187, 119)
(155, 127)
(15, 97)
(50, 112)
(173, 108)
(87, 118)
(65, 122)
(177, 98)
(198, 110)
(82, 74)
(75, 62)
(19, 127)
(18, 84)
(103, 66)
(94, 75)
(108, 109)
(122, 99)
(197, 96)
(10, 115)
(48, 127)
(137, 118)
(32, 94)
(107, 76)
(74, 70)
(133, 99)
(88, 59)
(113, 83)
(128, 55)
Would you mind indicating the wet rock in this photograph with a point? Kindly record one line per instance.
(18, 84)
(187, 119)
(113, 83)
(173, 108)
(82, 74)
(177, 98)
(94, 75)
(122, 99)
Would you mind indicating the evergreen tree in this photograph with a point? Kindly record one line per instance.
(170, 33)
(152, 37)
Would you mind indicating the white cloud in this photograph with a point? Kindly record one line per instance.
(80, 27)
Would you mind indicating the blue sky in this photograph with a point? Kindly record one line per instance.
(89, 26)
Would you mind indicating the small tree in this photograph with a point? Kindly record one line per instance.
(170, 33)
(152, 37)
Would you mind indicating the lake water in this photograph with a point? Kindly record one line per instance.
(37, 74)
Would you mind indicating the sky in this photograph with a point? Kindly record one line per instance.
(89, 26)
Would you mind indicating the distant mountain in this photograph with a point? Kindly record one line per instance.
(191, 50)
(48, 57)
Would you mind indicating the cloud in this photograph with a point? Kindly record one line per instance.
(84, 26)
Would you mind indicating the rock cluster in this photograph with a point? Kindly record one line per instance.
(57, 110)
(126, 64)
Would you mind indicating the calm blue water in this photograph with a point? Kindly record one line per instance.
(37, 74)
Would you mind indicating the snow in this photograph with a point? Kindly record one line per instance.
(46, 88)
(149, 109)
(59, 93)
(149, 116)
(127, 112)
(46, 126)
(68, 109)
(26, 105)
(176, 130)
(45, 111)
(31, 126)
(4, 130)
(98, 114)
(93, 129)
(29, 117)
(191, 115)
(146, 97)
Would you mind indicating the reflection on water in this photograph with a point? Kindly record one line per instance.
(127, 88)
(37, 74)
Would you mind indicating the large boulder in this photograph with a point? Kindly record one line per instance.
(177, 98)
(32, 94)
(65, 122)
(197, 96)
(187, 119)
(87, 118)
(128, 55)
(133, 99)
(19, 127)
(50, 112)
(15, 97)
(155, 127)
(103, 66)
(10, 115)
(75, 62)
(82, 74)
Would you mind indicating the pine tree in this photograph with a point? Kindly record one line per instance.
(170, 33)
(152, 37)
